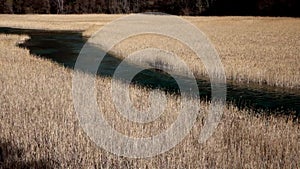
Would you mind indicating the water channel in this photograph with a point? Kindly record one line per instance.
(64, 47)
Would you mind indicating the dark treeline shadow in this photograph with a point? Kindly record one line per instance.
(255, 8)
(64, 47)
(176, 7)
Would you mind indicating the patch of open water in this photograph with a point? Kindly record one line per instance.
(64, 47)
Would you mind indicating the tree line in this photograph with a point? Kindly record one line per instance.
(177, 7)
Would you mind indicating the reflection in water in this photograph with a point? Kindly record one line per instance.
(64, 46)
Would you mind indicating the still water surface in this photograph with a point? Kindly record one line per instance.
(64, 47)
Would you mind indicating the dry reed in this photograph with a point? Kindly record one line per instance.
(39, 128)
(262, 50)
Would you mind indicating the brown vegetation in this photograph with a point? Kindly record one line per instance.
(252, 49)
(39, 128)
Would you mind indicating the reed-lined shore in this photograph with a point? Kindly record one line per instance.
(39, 127)
(262, 50)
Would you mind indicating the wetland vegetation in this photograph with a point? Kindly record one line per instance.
(39, 127)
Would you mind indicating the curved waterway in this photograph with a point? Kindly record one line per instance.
(64, 47)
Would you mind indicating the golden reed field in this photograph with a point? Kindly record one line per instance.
(263, 50)
(39, 127)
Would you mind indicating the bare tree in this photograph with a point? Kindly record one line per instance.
(204, 5)
(126, 6)
(59, 5)
(210, 3)
(136, 5)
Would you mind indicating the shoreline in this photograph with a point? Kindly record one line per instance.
(38, 121)
(240, 41)
(260, 50)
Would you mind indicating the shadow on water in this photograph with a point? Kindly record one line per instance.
(64, 47)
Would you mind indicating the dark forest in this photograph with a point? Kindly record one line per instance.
(177, 7)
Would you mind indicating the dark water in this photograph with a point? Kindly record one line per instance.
(63, 47)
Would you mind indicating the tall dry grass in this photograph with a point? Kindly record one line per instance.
(39, 128)
(56, 22)
(252, 50)
(262, 50)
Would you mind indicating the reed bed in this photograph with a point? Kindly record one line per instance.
(261, 50)
(39, 128)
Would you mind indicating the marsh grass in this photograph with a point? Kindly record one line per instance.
(39, 127)
(261, 50)
(250, 52)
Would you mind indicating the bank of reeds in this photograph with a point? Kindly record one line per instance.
(39, 128)
(263, 50)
